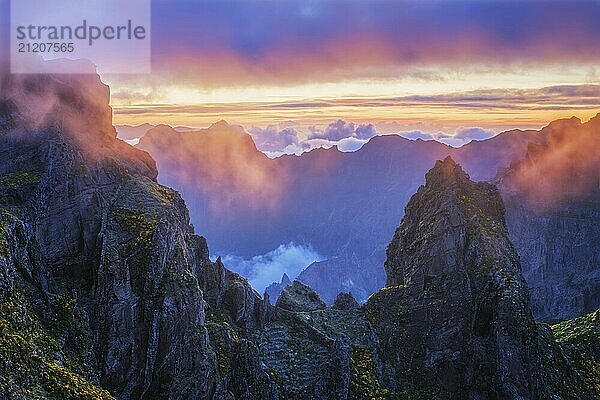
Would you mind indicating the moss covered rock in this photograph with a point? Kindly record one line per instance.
(580, 341)
(299, 297)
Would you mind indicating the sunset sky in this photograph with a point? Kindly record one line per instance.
(430, 66)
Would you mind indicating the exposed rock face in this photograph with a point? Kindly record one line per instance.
(461, 317)
(552, 199)
(231, 294)
(345, 274)
(299, 297)
(321, 354)
(345, 301)
(275, 289)
(560, 256)
(101, 256)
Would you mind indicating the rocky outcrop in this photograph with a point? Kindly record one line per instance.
(231, 294)
(552, 199)
(101, 257)
(274, 289)
(299, 297)
(455, 318)
(321, 354)
(345, 301)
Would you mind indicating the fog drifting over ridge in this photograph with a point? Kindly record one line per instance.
(262, 270)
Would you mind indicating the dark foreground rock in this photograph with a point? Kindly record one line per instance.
(102, 279)
(345, 301)
(455, 320)
(299, 297)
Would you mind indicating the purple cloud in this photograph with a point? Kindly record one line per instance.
(414, 135)
(468, 134)
(271, 139)
(459, 138)
(341, 129)
(365, 131)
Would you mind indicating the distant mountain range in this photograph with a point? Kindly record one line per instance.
(347, 205)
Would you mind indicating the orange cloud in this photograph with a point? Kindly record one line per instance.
(221, 163)
(565, 166)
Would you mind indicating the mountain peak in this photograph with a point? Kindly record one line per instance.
(285, 279)
(454, 273)
(595, 120)
(448, 160)
(447, 164)
(299, 297)
(223, 128)
(162, 129)
(446, 171)
(451, 204)
(221, 124)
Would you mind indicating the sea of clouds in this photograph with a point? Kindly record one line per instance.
(275, 140)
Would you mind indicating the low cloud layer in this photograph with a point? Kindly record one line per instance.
(459, 138)
(346, 136)
(272, 139)
(265, 269)
(341, 129)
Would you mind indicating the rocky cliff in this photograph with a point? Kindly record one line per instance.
(106, 292)
(552, 198)
(99, 259)
(455, 319)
